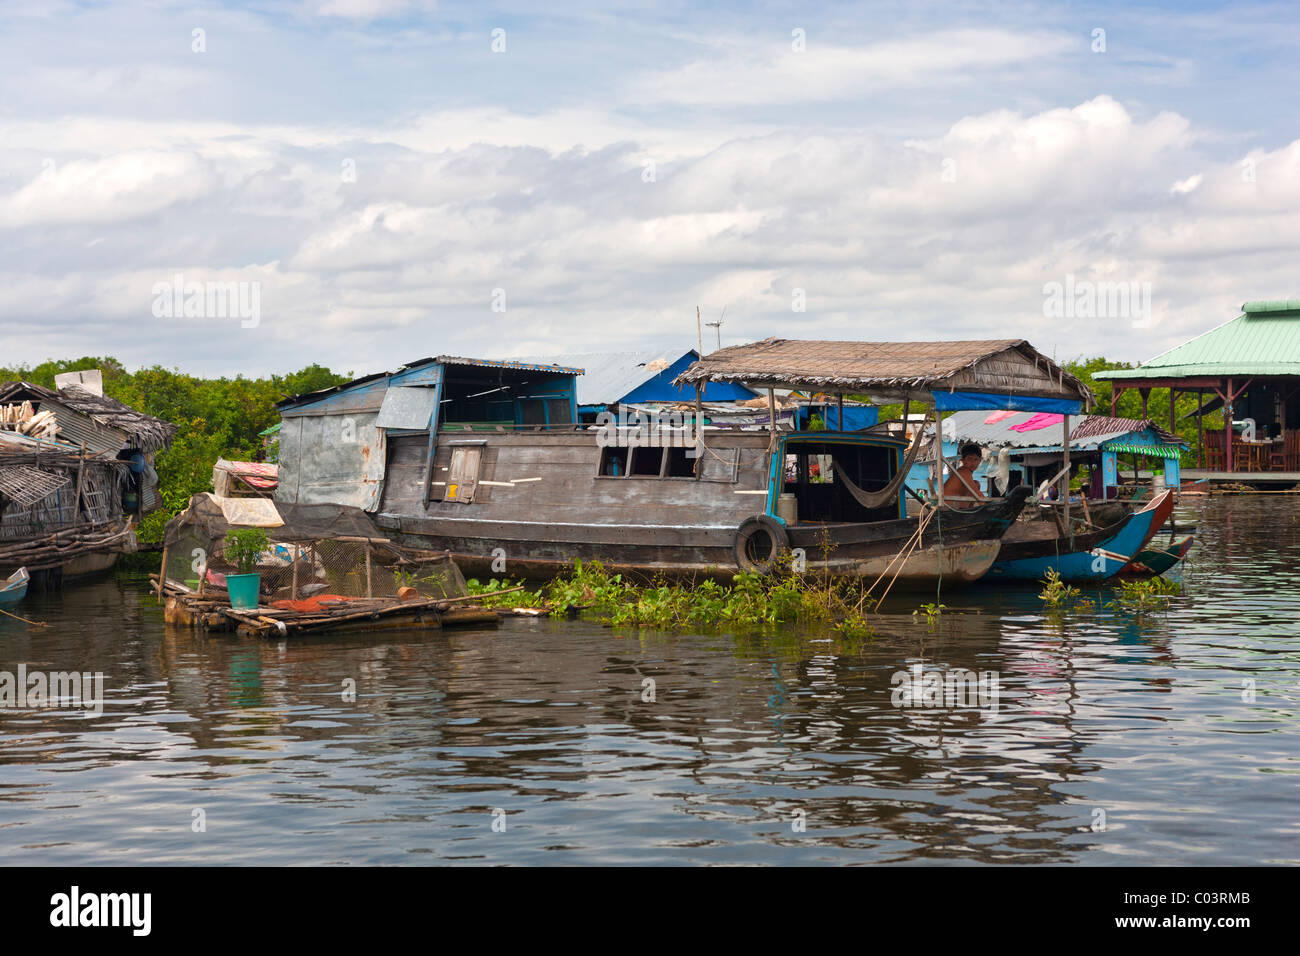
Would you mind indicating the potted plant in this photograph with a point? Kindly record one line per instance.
(243, 547)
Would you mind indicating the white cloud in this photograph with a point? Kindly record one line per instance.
(738, 74)
(403, 261)
(124, 186)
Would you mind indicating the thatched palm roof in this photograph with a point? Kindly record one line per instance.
(891, 369)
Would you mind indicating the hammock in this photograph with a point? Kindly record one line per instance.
(875, 499)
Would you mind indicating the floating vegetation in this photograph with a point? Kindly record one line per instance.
(931, 611)
(1056, 594)
(750, 601)
(1129, 596)
(1147, 595)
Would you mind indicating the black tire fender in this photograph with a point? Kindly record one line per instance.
(747, 544)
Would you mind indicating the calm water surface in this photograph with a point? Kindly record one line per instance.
(1137, 717)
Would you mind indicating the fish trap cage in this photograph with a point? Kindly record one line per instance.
(304, 560)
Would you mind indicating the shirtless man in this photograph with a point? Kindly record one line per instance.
(971, 456)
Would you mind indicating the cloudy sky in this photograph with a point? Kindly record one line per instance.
(401, 178)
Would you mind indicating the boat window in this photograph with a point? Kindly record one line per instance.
(462, 476)
(647, 462)
(558, 411)
(719, 464)
(613, 461)
(532, 412)
(679, 464)
(822, 493)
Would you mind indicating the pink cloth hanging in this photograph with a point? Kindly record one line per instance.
(1041, 420)
(998, 416)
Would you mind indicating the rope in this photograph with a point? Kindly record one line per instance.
(915, 544)
(23, 619)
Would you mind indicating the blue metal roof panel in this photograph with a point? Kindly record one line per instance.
(608, 377)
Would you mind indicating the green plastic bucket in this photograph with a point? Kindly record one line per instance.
(243, 590)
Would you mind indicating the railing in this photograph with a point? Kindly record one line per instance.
(1259, 456)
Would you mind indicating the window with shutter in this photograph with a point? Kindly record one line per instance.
(462, 476)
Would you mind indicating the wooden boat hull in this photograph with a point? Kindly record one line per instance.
(1093, 556)
(1151, 562)
(955, 546)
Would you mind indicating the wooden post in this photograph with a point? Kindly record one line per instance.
(699, 427)
(369, 592)
(1115, 392)
(430, 451)
(1227, 428)
(938, 455)
(1065, 482)
(81, 474)
(162, 575)
(1173, 422)
(1146, 396)
(840, 424)
(771, 419)
(1200, 428)
(297, 556)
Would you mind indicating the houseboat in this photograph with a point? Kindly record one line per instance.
(488, 460)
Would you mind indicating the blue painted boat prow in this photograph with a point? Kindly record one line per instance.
(14, 588)
(1102, 560)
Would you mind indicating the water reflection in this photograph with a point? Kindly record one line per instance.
(601, 746)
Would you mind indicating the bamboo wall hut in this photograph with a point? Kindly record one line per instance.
(76, 473)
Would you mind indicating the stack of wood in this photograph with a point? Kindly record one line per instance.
(22, 418)
(53, 549)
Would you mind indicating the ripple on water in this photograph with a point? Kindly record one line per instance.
(1162, 738)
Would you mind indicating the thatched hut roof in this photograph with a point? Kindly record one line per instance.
(890, 370)
(144, 432)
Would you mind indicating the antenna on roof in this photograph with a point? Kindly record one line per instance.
(718, 325)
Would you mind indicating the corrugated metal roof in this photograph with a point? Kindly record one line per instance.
(609, 376)
(81, 429)
(1092, 431)
(145, 432)
(1263, 340)
(509, 363)
(308, 397)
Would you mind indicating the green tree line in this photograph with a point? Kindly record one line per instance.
(217, 417)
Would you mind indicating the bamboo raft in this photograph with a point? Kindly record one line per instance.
(212, 612)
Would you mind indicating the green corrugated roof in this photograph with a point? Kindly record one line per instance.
(1263, 340)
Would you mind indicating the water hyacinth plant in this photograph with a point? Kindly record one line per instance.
(750, 601)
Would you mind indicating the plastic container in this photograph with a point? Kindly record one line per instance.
(787, 508)
(243, 590)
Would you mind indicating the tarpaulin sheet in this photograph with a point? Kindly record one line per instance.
(250, 512)
(206, 518)
(960, 401)
(1041, 420)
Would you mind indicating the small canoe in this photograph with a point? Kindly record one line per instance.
(14, 587)
(1094, 556)
(1151, 562)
